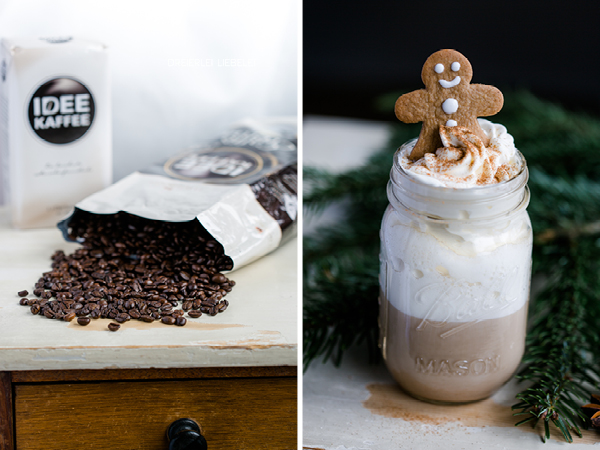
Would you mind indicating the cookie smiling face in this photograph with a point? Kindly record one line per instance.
(448, 100)
(446, 69)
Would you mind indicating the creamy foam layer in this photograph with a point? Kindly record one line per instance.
(432, 273)
(464, 161)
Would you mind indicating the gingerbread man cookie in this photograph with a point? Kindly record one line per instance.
(447, 100)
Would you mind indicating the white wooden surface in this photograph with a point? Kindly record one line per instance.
(258, 329)
(359, 406)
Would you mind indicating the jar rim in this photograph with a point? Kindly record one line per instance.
(479, 220)
(441, 204)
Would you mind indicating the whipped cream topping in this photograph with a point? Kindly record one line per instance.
(464, 161)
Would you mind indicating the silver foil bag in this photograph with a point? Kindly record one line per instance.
(241, 187)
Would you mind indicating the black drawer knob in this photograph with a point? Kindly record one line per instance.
(184, 434)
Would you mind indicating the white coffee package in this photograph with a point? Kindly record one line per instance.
(241, 187)
(55, 126)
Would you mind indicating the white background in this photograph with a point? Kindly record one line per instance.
(160, 106)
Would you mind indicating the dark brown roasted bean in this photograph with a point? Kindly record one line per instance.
(169, 320)
(83, 321)
(136, 268)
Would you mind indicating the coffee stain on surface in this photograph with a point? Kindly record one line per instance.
(252, 344)
(390, 401)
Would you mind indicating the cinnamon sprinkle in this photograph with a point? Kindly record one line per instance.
(464, 159)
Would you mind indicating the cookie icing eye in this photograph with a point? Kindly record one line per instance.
(455, 66)
(439, 68)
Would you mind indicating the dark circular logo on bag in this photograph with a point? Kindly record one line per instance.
(220, 165)
(57, 39)
(61, 110)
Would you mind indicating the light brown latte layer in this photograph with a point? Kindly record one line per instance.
(453, 362)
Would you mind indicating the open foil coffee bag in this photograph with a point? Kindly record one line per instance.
(241, 187)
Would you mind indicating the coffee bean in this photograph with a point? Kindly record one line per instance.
(122, 318)
(23, 302)
(168, 320)
(180, 321)
(113, 326)
(194, 313)
(83, 321)
(223, 305)
(23, 293)
(219, 278)
(134, 268)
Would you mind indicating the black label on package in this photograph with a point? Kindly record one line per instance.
(220, 165)
(61, 111)
(57, 39)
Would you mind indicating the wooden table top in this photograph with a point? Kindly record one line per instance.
(258, 329)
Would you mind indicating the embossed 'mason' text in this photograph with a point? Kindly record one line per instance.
(463, 367)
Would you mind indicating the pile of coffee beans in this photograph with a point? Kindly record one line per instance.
(133, 268)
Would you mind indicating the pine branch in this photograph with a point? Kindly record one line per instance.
(555, 140)
(341, 313)
(564, 202)
(562, 356)
(550, 234)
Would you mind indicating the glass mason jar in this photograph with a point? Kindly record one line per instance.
(455, 277)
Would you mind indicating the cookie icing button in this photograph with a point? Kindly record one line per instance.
(451, 123)
(449, 84)
(450, 106)
(439, 68)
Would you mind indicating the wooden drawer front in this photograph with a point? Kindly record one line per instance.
(234, 414)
